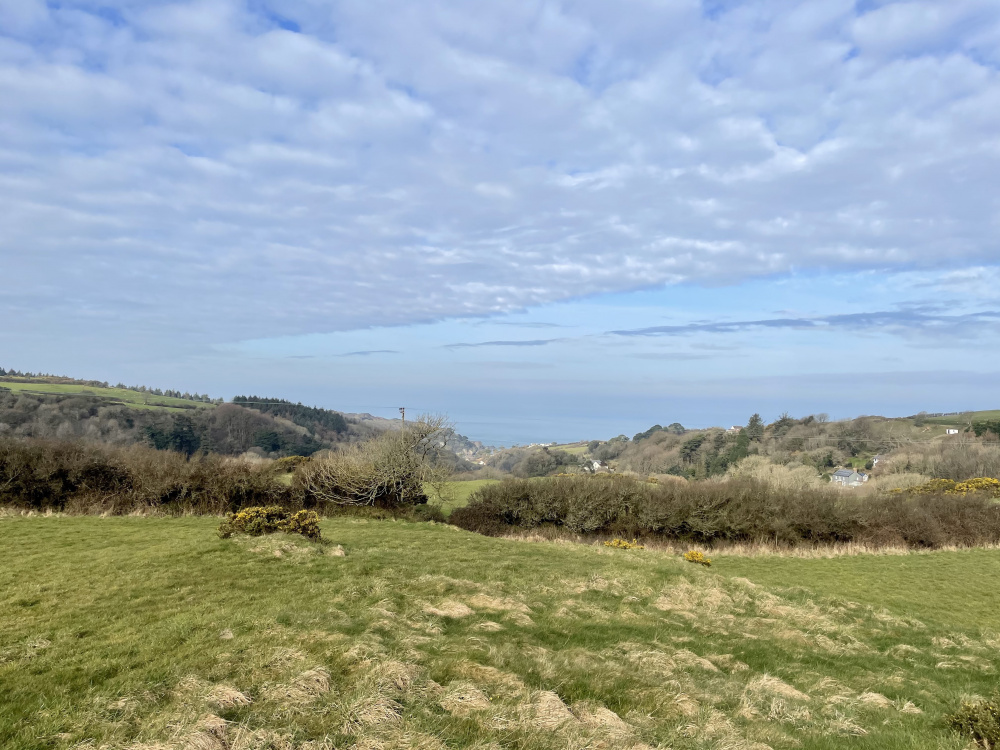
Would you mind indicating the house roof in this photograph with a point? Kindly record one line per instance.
(843, 473)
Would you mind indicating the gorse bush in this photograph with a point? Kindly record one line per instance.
(979, 721)
(694, 556)
(623, 544)
(257, 521)
(989, 486)
(738, 510)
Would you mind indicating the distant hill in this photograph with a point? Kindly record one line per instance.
(47, 406)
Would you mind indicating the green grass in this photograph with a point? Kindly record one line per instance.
(963, 419)
(576, 449)
(114, 633)
(943, 588)
(133, 399)
(455, 494)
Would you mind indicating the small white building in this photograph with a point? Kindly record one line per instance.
(951, 431)
(849, 478)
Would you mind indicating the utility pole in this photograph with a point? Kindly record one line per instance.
(402, 411)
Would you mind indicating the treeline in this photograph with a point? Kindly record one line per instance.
(318, 421)
(812, 441)
(228, 429)
(986, 427)
(735, 510)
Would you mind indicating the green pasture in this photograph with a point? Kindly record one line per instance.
(132, 632)
(576, 449)
(454, 494)
(133, 399)
(962, 420)
(944, 588)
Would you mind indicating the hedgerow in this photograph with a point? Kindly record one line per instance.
(738, 510)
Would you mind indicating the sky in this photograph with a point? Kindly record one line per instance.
(548, 220)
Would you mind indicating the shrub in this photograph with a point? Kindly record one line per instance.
(304, 522)
(987, 485)
(624, 544)
(386, 472)
(734, 510)
(87, 477)
(288, 464)
(694, 556)
(260, 520)
(979, 720)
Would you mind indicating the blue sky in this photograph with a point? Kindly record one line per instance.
(548, 220)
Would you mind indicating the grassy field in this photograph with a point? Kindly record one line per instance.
(939, 588)
(575, 449)
(134, 399)
(962, 420)
(455, 494)
(153, 634)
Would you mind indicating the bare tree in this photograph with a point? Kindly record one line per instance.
(388, 471)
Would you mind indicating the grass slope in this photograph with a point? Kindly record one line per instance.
(133, 399)
(153, 633)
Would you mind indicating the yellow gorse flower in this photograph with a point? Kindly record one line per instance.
(694, 556)
(624, 544)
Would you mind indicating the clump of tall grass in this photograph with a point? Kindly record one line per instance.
(737, 510)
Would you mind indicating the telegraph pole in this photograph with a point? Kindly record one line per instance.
(402, 411)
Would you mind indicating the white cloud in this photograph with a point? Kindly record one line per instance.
(399, 162)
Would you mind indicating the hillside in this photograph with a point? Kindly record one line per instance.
(153, 633)
(938, 445)
(113, 396)
(63, 408)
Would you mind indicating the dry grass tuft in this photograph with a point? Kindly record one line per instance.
(393, 677)
(497, 604)
(728, 662)
(876, 700)
(449, 608)
(489, 626)
(224, 696)
(519, 618)
(599, 717)
(772, 685)
(304, 688)
(690, 660)
(844, 726)
(503, 683)
(771, 699)
(210, 734)
(463, 699)
(548, 712)
(371, 712)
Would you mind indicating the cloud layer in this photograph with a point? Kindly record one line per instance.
(224, 170)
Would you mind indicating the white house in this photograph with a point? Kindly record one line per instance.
(950, 431)
(849, 478)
